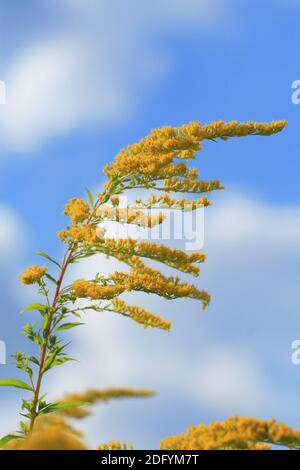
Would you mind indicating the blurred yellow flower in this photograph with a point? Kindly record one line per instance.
(51, 432)
(235, 433)
(115, 445)
(94, 395)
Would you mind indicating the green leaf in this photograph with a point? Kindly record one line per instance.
(67, 326)
(45, 255)
(52, 407)
(62, 360)
(9, 437)
(35, 306)
(51, 278)
(15, 383)
(26, 405)
(34, 360)
(90, 196)
(23, 427)
(45, 322)
(49, 363)
(56, 360)
(64, 405)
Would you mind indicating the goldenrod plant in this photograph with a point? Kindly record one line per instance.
(157, 163)
(235, 433)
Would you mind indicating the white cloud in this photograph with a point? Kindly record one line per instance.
(13, 240)
(248, 220)
(230, 381)
(50, 91)
(9, 418)
(93, 67)
(10, 234)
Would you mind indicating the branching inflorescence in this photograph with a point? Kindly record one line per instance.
(159, 162)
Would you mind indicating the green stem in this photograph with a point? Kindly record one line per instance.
(43, 351)
(47, 333)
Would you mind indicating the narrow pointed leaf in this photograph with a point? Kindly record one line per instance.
(90, 196)
(35, 306)
(51, 278)
(15, 383)
(45, 322)
(45, 255)
(52, 407)
(69, 404)
(68, 326)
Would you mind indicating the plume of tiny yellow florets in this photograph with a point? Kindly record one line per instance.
(165, 201)
(153, 153)
(93, 396)
(90, 290)
(146, 279)
(139, 315)
(238, 433)
(172, 257)
(224, 130)
(77, 210)
(152, 157)
(186, 185)
(33, 274)
(115, 445)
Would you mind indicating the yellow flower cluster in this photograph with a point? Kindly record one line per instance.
(86, 234)
(145, 279)
(90, 290)
(223, 130)
(139, 315)
(156, 151)
(172, 257)
(186, 185)
(93, 396)
(51, 432)
(115, 445)
(172, 170)
(152, 157)
(130, 216)
(239, 433)
(77, 210)
(33, 274)
(165, 201)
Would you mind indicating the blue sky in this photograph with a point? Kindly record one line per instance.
(84, 78)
